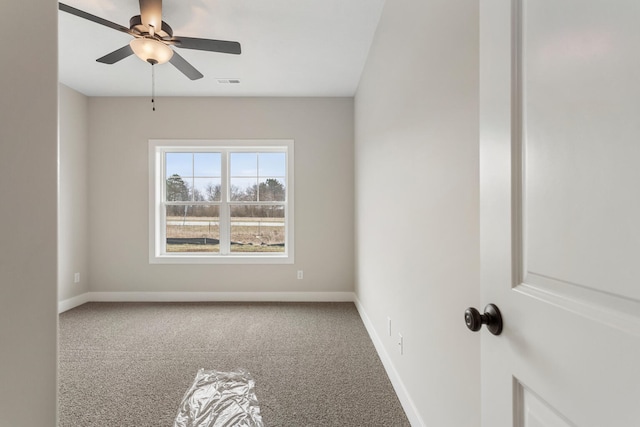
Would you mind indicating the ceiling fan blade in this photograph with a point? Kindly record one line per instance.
(209, 45)
(185, 68)
(116, 55)
(82, 14)
(151, 13)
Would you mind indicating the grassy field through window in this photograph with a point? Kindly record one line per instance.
(202, 234)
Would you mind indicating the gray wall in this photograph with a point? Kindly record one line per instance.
(119, 130)
(417, 244)
(28, 213)
(73, 239)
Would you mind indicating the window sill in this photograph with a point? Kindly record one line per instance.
(221, 259)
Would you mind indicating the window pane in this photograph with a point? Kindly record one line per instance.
(178, 189)
(179, 164)
(272, 164)
(256, 228)
(207, 189)
(244, 164)
(193, 228)
(207, 164)
(271, 190)
(244, 189)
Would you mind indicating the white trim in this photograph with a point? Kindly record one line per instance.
(78, 300)
(73, 302)
(403, 395)
(157, 253)
(195, 258)
(220, 296)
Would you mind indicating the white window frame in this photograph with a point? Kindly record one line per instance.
(157, 211)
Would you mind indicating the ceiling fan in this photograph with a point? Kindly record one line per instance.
(153, 39)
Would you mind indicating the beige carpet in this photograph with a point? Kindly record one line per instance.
(129, 364)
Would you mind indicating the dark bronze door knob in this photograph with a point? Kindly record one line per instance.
(491, 317)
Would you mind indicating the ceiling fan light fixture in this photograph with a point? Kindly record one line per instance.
(151, 50)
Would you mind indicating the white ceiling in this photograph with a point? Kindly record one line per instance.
(289, 47)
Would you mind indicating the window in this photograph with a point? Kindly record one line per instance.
(221, 201)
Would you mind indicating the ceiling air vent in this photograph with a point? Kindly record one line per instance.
(228, 81)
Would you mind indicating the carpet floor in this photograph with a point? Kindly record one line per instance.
(129, 364)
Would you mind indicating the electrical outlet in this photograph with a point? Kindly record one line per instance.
(389, 325)
(76, 278)
(300, 274)
(401, 344)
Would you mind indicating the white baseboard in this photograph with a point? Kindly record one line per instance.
(74, 302)
(206, 296)
(405, 399)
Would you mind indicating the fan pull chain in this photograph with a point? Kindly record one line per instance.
(153, 87)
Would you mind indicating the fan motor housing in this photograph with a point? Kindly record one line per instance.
(136, 25)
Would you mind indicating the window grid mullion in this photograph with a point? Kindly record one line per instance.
(258, 177)
(190, 203)
(193, 177)
(225, 221)
(163, 210)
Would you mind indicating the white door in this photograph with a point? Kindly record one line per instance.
(560, 211)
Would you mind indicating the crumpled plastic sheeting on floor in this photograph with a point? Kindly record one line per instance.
(220, 399)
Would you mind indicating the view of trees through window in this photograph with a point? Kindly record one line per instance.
(254, 201)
